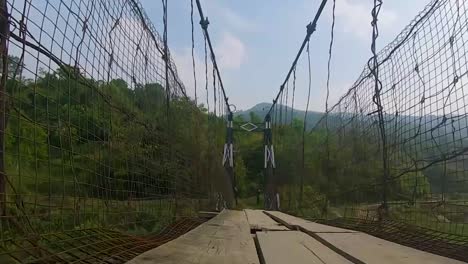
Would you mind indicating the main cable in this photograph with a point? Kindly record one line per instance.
(311, 27)
(204, 24)
(193, 52)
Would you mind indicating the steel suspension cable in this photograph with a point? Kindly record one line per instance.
(311, 27)
(166, 55)
(293, 94)
(193, 53)
(204, 24)
(206, 77)
(214, 90)
(373, 65)
(327, 135)
(304, 128)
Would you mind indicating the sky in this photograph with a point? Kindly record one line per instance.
(255, 42)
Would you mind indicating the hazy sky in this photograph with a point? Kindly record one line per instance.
(256, 40)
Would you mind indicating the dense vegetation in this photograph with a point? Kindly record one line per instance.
(82, 144)
(344, 171)
(83, 153)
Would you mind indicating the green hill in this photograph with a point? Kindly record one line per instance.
(262, 109)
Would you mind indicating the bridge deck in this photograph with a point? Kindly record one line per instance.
(295, 247)
(260, 221)
(358, 246)
(292, 221)
(227, 238)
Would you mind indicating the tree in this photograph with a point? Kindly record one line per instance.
(15, 66)
(254, 118)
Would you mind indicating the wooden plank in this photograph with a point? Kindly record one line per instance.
(370, 249)
(293, 221)
(260, 221)
(225, 238)
(296, 248)
(360, 247)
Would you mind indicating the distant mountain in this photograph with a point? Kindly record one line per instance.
(261, 109)
(427, 127)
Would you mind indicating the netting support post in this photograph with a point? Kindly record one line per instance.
(4, 28)
(270, 202)
(373, 65)
(228, 160)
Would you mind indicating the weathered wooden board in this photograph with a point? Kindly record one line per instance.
(359, 246)
(370, 249)
(260, 221)
(295, 247)
(311, 226)
(224, 239)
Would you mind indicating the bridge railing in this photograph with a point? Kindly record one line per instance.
(97, 134)
(390, 156)
(421, 136)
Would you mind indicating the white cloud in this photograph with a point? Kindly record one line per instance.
(238, 22)
(231, 52)
(354, 17)
(183, 60)
(228, 17)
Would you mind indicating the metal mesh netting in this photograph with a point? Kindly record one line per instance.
(422, 190)
(422, 75)
(99, 162)
(389, 157)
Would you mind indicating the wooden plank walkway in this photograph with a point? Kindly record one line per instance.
(278, 238)
(370, 249)
(223, 239)
(360, 247)
(293, 221)
(258, 220)
(295, 247)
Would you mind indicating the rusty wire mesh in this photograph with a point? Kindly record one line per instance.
(98, 161)
(423, 197)
(389, 158)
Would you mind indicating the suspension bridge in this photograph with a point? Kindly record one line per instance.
(108, 157)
